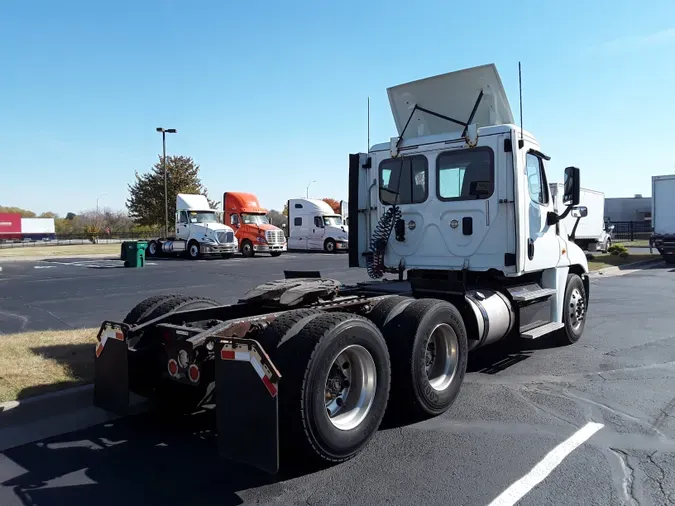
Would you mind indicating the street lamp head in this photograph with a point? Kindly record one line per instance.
(171, 130)
(159, 129)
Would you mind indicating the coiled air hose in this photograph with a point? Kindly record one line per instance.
(378, 241)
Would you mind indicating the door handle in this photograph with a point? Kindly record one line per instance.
(530, 248)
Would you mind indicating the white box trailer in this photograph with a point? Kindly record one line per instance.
(591, 233)
(663, 216)
(38, 229)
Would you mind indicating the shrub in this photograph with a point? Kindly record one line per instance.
(617, 249)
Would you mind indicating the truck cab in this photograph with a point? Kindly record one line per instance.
(313, 225)
(461, 196)
(252, 228)
(198, 231)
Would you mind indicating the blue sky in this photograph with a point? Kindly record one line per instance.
(268, 96)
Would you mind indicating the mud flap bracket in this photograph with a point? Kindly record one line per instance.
(247, 412)
(111, 369)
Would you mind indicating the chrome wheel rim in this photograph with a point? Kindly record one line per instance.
(247, 248)
(330, 246)
(152, 248)
(577, 309)
(194, 250)
(441, 357)
(350, 387)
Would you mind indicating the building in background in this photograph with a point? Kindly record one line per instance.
(637, 209)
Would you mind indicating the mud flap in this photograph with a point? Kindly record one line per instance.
(111, 369)
(247, 410)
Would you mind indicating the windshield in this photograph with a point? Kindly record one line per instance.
(254, 219)
(334, 221)
(203, 217)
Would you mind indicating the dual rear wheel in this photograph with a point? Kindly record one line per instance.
(342, 372)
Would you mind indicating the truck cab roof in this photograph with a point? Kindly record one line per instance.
(242, 202)
(192, 202)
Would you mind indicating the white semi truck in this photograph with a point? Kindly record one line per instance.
(592, 233)
(464, 250)
(663, 216)
(314, 225)
(198, 231)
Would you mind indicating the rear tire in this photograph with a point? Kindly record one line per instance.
(387, 309)
(307, 358)
(429, 353)
(153, 249)
(145, 307)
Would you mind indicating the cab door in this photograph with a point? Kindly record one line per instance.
(316, 233)
(542, 248)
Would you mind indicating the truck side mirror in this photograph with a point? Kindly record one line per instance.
(579, 212)
(571, 194)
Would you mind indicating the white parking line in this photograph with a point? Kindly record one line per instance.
(515, 492)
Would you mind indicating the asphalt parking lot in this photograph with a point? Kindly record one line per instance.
(63, 293)
(514, 411)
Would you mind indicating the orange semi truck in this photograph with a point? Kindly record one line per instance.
(255, 234)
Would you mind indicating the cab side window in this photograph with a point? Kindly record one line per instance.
(297, 222)
(183, 217)
(234, 219)
(318, 222)
(536, 179)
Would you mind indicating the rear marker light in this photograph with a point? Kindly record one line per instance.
(194, 374)
(173, 367)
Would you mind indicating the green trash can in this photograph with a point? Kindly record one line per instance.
(135, 253)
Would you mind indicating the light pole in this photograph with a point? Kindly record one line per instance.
(101, 195)
(310, 184)
(165, 131)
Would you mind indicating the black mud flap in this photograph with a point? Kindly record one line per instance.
(111, 369)
(247, 412)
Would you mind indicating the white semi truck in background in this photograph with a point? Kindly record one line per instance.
(592, 233)
(198, 231)
(304, 368)
(663, 217)
(314, 225)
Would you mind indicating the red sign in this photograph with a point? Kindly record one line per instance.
(10, 223)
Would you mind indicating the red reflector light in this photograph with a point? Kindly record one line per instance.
(173, 367)
(193, 372)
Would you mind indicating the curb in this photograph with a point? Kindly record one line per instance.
(53, 414)
(626, 267)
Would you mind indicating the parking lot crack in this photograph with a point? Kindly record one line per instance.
(50, 314)
(661, 479)
(628, 478)
(542, 409)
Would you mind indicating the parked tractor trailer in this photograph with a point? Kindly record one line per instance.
(252, 228)
(198, 231)
(463, 250)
